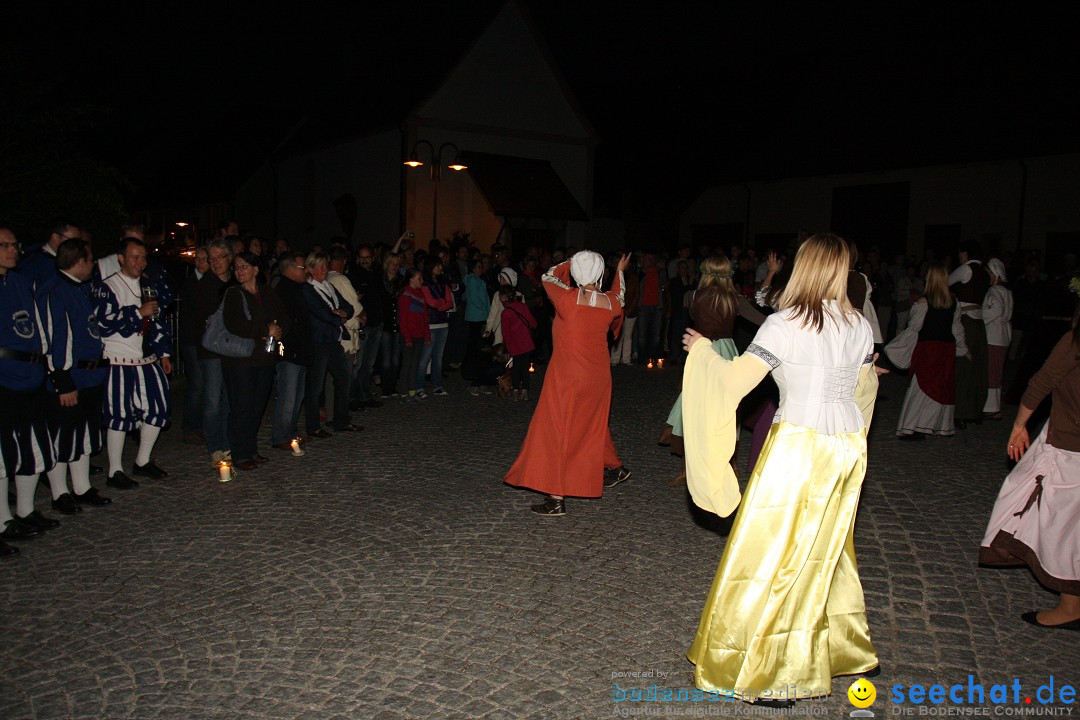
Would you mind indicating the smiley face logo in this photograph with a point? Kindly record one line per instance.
(862, 693)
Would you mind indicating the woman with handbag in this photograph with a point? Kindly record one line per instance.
(250, 310)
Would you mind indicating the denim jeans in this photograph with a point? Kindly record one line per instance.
(215, 407)
(390, 351)
(290, 399)
(410, 363)
(327, 357)
(193, 388)
(365, 362)
(433, 351)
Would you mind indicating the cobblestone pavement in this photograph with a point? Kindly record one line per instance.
(390, 574)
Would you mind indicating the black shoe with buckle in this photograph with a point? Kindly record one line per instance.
(91, 497)
(121, 481)
(150, 470)
(66, 504)
(36, 519)
(614, 476)
(550, 507)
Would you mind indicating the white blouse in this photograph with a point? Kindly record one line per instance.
(817, 372)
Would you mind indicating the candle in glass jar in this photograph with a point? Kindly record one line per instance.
(296, 449)
(224, 472)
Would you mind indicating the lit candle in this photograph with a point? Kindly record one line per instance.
(297, 451)
(224, 472)
(649, 366)
(532, 368)
(660, 363)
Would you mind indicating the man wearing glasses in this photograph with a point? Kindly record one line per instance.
(39, 262)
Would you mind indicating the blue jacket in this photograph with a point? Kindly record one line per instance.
(69, 318)
(477, 302)
(19, 330)
(37, 265)
(326, 327)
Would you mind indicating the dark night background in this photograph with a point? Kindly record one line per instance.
(186, 100)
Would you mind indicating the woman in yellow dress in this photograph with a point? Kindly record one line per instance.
(785, 613)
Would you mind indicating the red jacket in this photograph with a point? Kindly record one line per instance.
(517, 321)
(413, 316)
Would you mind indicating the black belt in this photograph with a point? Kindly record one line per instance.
(93, 364)
(34, 357)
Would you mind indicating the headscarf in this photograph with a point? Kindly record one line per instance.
(510, 275)
(998, 268)
(587, 267)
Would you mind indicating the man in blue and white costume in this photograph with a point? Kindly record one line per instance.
(77, 373)
(138, 347)
(38, 264)
(25, 450)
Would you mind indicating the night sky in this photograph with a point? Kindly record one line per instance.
(681, 94)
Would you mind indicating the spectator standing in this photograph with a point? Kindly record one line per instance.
(190, 338)
(328, 311)
(215, 401)
(252, 310)
(415, 333)
(623, 348)
(477, 305)
(649, 310)
(353, 325)
(291, 369)
(39, 262)
(370, 291)
(439, 296)
(390, 342)
(518, 326)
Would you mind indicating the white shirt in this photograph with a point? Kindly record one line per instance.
(997, 310)
(816, 372)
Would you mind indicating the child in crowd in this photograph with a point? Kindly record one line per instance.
(415, 331)
(518, 325)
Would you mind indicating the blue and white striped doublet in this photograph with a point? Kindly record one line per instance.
(136, 394)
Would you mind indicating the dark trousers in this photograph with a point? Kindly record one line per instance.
(327, 357)
(470, 368)
(248, 389)
(519, 372)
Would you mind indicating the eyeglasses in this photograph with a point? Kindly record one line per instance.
(241, 267)
(7, 245)
(224, 256)
(362, 258)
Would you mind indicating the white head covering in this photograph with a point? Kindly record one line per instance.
(510, 276)
(587, 267)
(998, 268)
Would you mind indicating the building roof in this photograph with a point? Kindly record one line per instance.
(522, 187)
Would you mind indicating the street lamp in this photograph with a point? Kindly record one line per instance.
(435, 171)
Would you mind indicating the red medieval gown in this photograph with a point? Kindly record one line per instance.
(568, 444)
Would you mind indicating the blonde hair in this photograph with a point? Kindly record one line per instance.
(819, 274)
(937, 288)
(716, 278)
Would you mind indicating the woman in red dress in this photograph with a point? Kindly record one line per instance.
(568, 449)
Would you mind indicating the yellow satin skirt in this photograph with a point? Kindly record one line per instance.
(786, 613)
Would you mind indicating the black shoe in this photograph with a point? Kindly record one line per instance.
(373, 404)
(960, 424)
(96, 469)
(550, 508)
(6, 549)
(121, 481)
(1032, 618)
(150, 470)
(614, 476)
(18, 530)
(66, 504)
(36, 519)
(91, 497)
(775, 704)
(321, 434)
(871, 673)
